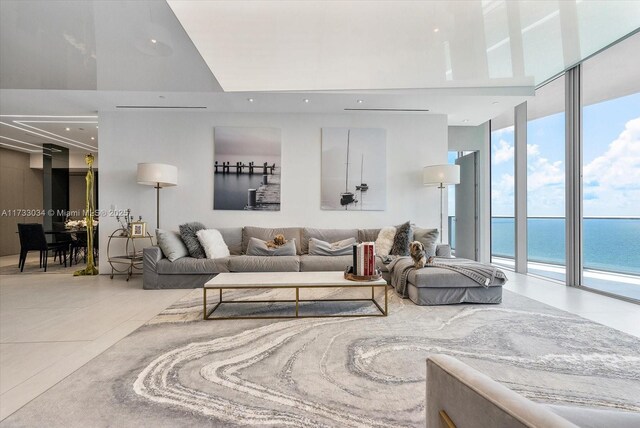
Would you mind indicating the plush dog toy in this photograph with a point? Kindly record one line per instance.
(278, 241)
(418, 254)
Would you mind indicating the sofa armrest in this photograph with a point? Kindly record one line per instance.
(443, 250)
(150, 258)
(471, 399)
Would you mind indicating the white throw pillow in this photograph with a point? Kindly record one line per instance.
(384, 242)
(213, 243)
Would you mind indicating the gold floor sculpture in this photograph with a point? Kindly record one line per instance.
(90, 269)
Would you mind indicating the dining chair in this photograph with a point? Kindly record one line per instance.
(32, 238)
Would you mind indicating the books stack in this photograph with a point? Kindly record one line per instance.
(364, 259)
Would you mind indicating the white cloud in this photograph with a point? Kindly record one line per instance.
(503, 152)
(612, 180)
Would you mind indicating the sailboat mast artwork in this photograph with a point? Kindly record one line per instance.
(340, 190)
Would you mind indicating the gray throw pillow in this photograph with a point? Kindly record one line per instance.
(188, 234)
(258, 247)
(171, 244)
(404, 236)
(428, 238)
(324, 248)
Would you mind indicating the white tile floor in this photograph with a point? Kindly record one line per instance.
(53, 324)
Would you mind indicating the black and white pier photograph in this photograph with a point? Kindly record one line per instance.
(247, 169)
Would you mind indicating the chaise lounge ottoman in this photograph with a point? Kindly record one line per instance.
(442, 285)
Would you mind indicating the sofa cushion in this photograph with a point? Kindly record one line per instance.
(328, 235)
(171, 244)
(258, 247)
(384, 241)
(188, 234)
(213, 243)
(264, 264)
(309, 263)
(192, 266)
(368, 235)
(324, 248)
(267, 234)
(402, 239)
(428, 238)
(233, 238)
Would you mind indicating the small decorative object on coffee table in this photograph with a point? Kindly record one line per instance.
(348, 274)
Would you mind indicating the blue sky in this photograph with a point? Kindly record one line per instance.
(611, 159)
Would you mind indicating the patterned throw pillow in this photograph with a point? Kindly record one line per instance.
(402, 239)
(188, 234)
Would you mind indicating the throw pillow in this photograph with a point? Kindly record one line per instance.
(401, 240)
(324, 248)
(428, 238)
(258, 247)
(213, 243)
(188, 234)
(384, 242)
(171, 245)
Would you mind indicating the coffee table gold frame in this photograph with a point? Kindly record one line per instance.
(297, 301)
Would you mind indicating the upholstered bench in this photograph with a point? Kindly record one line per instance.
(447, 281)
(439, 286)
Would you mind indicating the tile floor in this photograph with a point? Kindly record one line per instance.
(53, 324)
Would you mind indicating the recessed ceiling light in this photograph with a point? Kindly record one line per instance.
(306, 100)
(435, 30)
(250, 100)
(67, 129)
(495, 102)
(465, 121)
(154, 41)
(359, 101)
(93, 138)
(96, 126)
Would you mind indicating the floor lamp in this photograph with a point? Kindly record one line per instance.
(441, 176)
(158, 175)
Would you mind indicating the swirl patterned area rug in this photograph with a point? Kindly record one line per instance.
(178, 370)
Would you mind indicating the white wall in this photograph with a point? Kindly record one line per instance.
(476, 138)
(186, 140)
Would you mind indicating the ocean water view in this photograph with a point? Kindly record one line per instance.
(610, 244)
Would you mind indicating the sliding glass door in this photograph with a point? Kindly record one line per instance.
(611, 170)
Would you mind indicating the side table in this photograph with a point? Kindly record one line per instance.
(132, 257)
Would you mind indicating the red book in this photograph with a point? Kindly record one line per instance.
(372, 260)
(367, 256)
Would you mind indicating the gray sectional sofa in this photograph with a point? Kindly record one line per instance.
(189, 272)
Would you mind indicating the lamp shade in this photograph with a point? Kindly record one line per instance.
(440, 174)
(159, 174)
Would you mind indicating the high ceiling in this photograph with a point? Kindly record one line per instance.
(469, 60)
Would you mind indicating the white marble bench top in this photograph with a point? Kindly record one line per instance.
(287, 280)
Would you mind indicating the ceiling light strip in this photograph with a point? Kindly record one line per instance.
(165, 107)
(46, 136)
(387, 109)
(56, 135)
(20, 148)
(47, 116)
(21, 142)
(55, 121)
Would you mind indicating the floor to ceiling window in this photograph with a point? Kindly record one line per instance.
(502, 190)
(451, 198)
(611, 170)
(546, 181)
